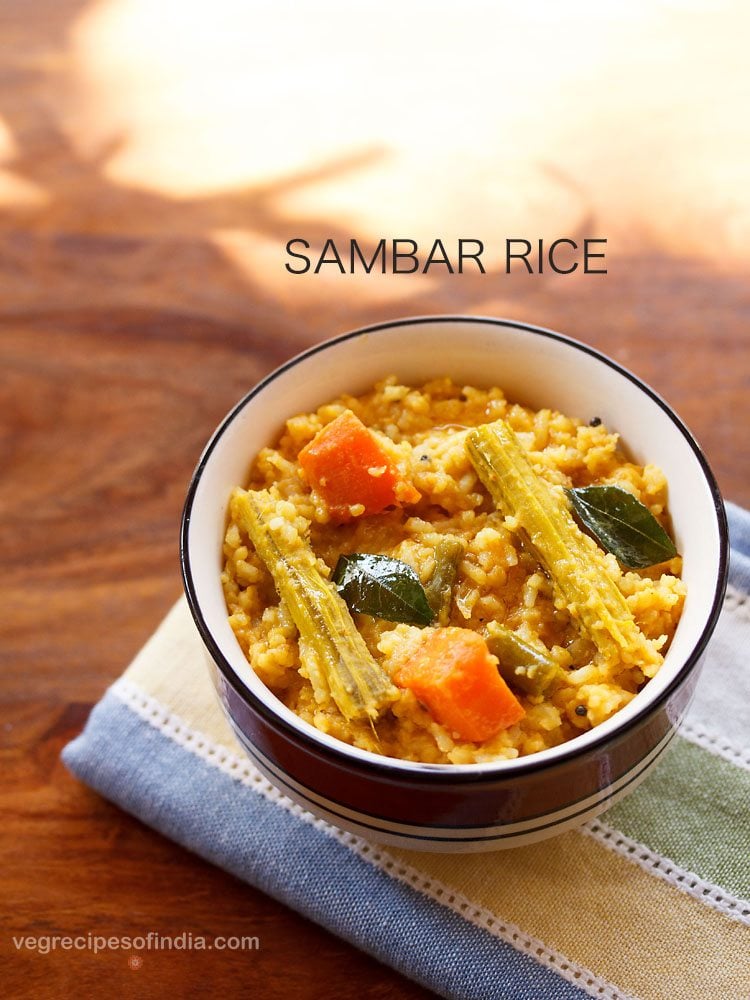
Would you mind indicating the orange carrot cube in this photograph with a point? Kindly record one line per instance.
(349, 469)
(454, 676)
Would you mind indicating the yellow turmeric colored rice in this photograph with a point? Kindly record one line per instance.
(424, 430)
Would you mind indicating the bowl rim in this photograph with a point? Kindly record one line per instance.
(342, 753)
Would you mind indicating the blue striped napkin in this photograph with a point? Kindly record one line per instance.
(650, 900)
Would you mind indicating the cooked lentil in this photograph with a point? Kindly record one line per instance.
(423, 431)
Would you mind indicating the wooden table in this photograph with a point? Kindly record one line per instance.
(131, 319)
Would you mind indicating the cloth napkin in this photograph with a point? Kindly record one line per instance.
(649, 901)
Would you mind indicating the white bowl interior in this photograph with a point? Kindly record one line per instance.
(530, 368)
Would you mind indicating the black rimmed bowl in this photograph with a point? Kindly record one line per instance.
(469, 807)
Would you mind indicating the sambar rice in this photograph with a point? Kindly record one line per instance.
(499, 577)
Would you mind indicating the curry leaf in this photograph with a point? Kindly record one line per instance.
(622, 525)
(382, 587)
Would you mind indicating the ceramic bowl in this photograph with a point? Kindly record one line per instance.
(469, 807)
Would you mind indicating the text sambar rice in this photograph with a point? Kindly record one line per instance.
(511, 653)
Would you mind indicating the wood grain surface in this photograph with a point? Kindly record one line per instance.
(131, 319)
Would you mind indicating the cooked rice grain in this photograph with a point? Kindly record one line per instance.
(424, 430)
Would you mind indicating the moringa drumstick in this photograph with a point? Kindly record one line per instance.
(576, 566)
(331, 649)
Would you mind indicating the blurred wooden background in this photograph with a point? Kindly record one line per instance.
(154, 159)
